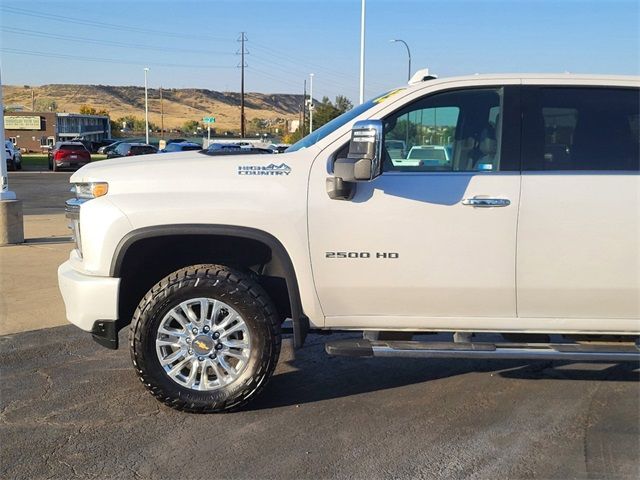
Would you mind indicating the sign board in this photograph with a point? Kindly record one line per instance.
(13, 122)
(208, 119)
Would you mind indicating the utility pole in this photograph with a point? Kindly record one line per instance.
(146, 106)
(310, 102)
(161, 115)
(304, 108)
(33, 101)
(362, 52)
(242, 39)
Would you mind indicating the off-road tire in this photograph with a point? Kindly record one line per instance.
(234, 288)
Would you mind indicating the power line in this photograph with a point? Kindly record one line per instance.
(336, 83)
(325, 70)
(273, 77)
(15, 51)
(67, 38)
(109, 26)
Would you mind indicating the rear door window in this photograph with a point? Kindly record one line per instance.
(579, 128)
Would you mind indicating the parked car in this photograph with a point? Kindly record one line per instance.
(68, 155)
(98, 144)
(14, 156)
(112, 146)
(425, 156)
(207, 263)
(132, 149)
(180, 147)
(279, 147)
(223, 147)
(176, 140)
(235, 149)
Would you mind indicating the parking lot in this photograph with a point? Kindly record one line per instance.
(70, 408)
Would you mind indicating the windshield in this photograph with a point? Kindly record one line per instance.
(337, 122)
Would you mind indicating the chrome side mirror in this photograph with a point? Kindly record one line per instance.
(363, 162)
(365, 149)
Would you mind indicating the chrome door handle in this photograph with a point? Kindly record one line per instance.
(486, 202)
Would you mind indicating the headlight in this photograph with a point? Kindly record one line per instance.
(84, 192)
(90, 190)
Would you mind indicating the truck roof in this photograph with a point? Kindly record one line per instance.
(595, 79)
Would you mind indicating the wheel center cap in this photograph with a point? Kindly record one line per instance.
(203, 344)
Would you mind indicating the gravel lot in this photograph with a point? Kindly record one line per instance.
(73, 409)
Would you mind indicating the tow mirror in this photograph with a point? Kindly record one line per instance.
(365, 149)
(363, 162)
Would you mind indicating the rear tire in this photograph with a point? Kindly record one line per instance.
(166, 363)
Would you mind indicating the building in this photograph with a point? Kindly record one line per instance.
(38, 131)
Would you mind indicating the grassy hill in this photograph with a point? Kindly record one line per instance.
(179, 104)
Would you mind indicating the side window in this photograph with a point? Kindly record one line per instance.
(579, 128)
(452, 131)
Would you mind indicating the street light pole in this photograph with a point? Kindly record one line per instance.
(146, 106)
(408, 53)
(310, 102)
(362, 52)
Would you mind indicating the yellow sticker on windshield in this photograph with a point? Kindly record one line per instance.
(382, 98)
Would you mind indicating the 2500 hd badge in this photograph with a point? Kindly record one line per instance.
(389, 255)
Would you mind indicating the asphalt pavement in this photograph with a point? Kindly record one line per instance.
(43, 192)
(72, 409)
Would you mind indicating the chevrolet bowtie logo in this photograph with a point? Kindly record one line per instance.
(201, 344)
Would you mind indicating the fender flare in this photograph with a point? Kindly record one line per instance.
(299, 320)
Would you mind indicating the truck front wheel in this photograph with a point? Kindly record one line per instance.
(206, 338)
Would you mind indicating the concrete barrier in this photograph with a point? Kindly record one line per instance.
(11, 224)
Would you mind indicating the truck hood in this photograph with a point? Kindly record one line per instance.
(191, 171)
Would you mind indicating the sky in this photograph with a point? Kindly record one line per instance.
(189, 43)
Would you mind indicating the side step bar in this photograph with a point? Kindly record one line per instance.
(527, 351)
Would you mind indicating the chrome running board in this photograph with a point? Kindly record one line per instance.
(527, 351)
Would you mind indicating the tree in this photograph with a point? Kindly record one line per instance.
(191, 126)
(88, 110)
(46, 105)
(343, 104)
(134, 124)
(325, 111)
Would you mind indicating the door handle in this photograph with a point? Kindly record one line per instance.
(486, 202)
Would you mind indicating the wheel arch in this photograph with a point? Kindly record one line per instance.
(230, 233)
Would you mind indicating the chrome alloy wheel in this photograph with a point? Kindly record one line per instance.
(203, 344)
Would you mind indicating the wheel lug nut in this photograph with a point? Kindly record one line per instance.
(212, 356)
(190, 352)
(219, 346)
(194, 331)
(188, 340)
(206, 329)
(216, 335)
(201, 359)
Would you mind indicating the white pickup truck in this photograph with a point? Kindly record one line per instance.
(532, 231)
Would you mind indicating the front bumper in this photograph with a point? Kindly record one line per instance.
(91, 302)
